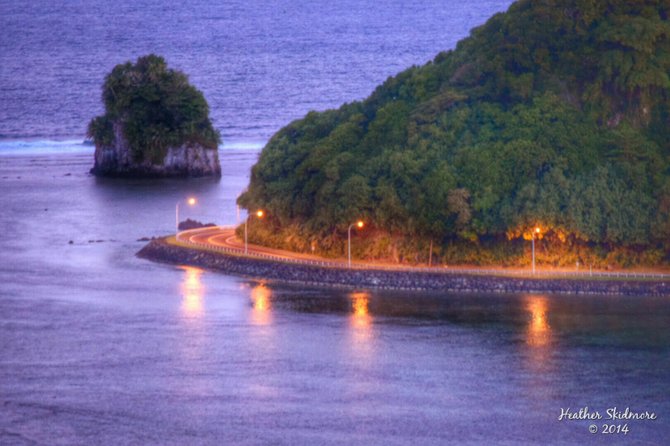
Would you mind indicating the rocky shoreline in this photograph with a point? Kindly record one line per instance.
(189, 160)
(159, 250)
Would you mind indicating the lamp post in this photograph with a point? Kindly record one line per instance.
(359, 224)
(535, 231)
(191, 201)
(259, 214)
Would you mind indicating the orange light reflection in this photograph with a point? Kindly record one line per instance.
(260, 298)
(539, 330)
(359, 303)
(361, 329)
(192, 291)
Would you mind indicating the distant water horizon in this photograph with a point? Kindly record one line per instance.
(259, 65)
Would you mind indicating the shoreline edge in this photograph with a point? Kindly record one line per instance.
(161, 251)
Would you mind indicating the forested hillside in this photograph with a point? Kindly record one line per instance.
(554, 114)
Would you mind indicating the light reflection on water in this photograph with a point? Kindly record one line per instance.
(192, 341)
(261, 305)
(360, 329)
(539, 330)
(540, 345)
(263, 343)
(192, 293)
(361, 315)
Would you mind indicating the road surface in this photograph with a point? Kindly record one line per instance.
(224, 239)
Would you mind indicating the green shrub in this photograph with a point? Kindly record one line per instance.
(157, 108)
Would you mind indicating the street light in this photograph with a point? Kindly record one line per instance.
(259, 213)
(359, 224)
(191, 201)
(535, 231)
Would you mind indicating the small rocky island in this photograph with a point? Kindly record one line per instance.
(155, 125)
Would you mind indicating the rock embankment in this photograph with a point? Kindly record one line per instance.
(159, 250)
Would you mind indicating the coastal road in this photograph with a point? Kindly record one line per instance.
(223, 238)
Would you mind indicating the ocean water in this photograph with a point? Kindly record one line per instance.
(259, 64)
(98, 346)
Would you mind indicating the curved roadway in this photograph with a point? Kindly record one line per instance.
(224, 239)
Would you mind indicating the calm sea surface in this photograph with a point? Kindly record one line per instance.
(260, 64)
(100, 347)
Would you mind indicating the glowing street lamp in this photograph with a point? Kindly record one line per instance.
(191, 201)
(259, 213)
(535, 231)
(359, 224)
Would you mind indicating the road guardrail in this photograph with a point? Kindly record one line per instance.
(184, 238)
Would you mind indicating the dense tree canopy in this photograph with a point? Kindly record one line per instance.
(555, 113)
(157, 108)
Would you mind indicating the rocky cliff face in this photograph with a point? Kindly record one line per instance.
(189, 160)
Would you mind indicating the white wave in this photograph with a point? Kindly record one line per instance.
(52, 147)
(43, 147)
(242, 145)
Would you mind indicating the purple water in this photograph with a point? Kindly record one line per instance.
(100, 347)
(260, 64)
